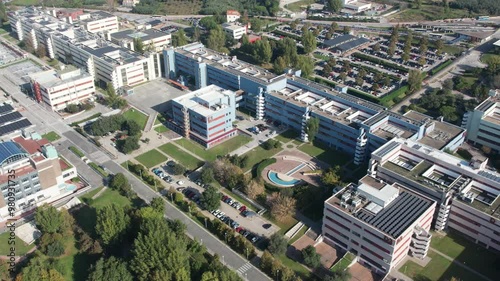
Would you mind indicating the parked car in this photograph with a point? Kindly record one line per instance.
(266, 226)
(170, 163)
(180, 182)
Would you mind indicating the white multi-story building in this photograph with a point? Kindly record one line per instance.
(152, 40)
(130, 3)
(72, 44)
(205, 115)
(57, 89)
(466, 192)
(40, 176)
(483, 123)
(99, 21)
(379, 223)
(232, 15)
(234, 31)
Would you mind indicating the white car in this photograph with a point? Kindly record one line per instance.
(180, 182)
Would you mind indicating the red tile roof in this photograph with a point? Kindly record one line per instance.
(232, 13)
(31, 146)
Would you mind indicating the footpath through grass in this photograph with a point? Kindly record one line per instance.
(439, 269)
(224, 148)
(108, 197)
(151, 158)
(184, 158)
(137, 116)
(258, 154)
(459, 248)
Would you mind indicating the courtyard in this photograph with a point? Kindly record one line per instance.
(152, 97)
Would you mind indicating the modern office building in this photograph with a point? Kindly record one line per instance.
(12, 122)
(57, 89)
(130, 3)
(35, 174)
(347, 123)
(72, 44)
(380, 223)
(234, 31)
(466, 192)
(483, 123)
(356, 6)
(152, 40)
(205, 116)
(99, 21)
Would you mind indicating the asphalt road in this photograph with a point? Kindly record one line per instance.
(195, 231)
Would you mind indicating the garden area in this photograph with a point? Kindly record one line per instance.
(161, 129)
(328, 155)
(224, 148)
(258, 154)
(137, 116)
(184, 158)
(287, 136)
(21, 247)
(51, 136)
(459, 248)
(151, 158)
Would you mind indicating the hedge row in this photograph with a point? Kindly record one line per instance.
(342, 19)
(260, 167)
(98, 169)
(286, 34)
(380, 61)
(76, 151)
(363, 95)
(440, 67)
(97, 115)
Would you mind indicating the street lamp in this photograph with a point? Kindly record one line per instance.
(225, 235)
(223, 260)
(277, 274)
(206, 223)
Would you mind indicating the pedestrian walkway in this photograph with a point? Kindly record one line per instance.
(151, 122)
(99, 193)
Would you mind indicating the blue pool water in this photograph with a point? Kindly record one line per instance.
(70, 187)
(292, 171)
(273, 176)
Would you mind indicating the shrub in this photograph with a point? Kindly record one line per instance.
(263, 164)
(178, 197)
(55, 249)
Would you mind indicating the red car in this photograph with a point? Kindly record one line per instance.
(239, 229)
(224, 197)
(242, 208)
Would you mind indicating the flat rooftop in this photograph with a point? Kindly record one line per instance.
(198, 100)
(442, 134)
(394, 219)
(144, 35)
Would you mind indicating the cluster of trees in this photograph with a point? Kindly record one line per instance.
(490, 7)
(414, 80)
(252, 7)
(271, 144)
(285, 56)
(334, 5)
(142, 172)
(178, 169)
(74, 108)
(282, 205)
(277, 270)
(227, 174)
(312, 127)
(179, 38)
(120, 183)
(237, 242)
(260, 51)
(27, 45)
(210, 198)
(150, 7)
(331, 176)
(112, 99)
(3, 14)
(113, 123)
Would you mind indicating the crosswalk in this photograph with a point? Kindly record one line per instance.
(244, 268)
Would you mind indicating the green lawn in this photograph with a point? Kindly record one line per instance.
(452, 50)
(325, 154)
(74, 265)
(161, 129)
(429, 12)
(137, 116)
(439, 269)
(151, 158)
(258, 154)
(343, 263)
(295, 266)
(485, 58)
(184, 158)
(157, 120)
(287, 136)
(51, 136)
(463, 250)
(25, 2)
(21, 247)
(296, 7)
(299, 234)
(110, 196)
(85, 197)
(221, 149)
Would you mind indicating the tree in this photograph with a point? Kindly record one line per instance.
(327, 69)
(335, 5)
(110, 269)
(158, 205)
(439, 46)
(118, 181)
(196, 34)
(375, 87)
(376, 47)
(293, 24)
(277, 244)
(129, 144)
(343, 275)
(448, 85)
(216, 39)
(305, 64)
(27, 44)
(254, 189)
(72, 108)
(405, 56)
(263, 51)
(41, 52)
(282, 207)
(178, 169)
(39, 269)
(138, 45)
(207, 175)
(179, 38)
(244, 40)
(346, 30)
(347, 66)
(332, 62)
(362, 72)
(359, 80)
(449, 113)
(343, 76)
(266, 261)
(209, 276)
(132, 127)
(422, 61)
(309, 42)
(392, 49)
(418, 3)
(331, 176)
(279, 65)
(312, 127)
(111, 224)
(414, 80)
(210, 198)
(256, 24)
(3, 15)
(334, 26)
(48, 219)
(311, 258)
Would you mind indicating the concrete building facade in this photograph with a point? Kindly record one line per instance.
(234, 31)
(99, 21)
(57, 89)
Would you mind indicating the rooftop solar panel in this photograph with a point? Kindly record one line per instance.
(9, 117)
(9, 128)
(6, 108)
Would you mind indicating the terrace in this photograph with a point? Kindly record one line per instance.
(485, 202)
(441, 135)
(434, 180)
(391, 130)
